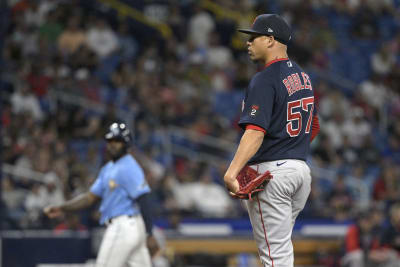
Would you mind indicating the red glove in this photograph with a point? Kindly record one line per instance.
(251, 182)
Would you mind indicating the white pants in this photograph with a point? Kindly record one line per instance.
(124, 244)
(273, 211)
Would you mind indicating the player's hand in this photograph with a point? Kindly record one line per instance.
(152, 245)
(231, 184)
(53, 211)
(237, 196)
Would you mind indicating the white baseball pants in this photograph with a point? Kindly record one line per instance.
(273, 211)
(124, 244)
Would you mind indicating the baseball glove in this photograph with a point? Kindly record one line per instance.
(251, 182)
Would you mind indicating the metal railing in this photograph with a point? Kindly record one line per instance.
(20, 172)
(126, 10)
(224, 147)
(173, 132)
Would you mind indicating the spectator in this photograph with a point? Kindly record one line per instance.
(315, 206)
(35, 14)
(38, 80)
(369, 152)
(340, 201)
(333, 103)
(22, 100)
(333, 129)
(128, 44)
(361, 240)
(356, 127)
(51, 29)
(218, 56)
(102, 39)
(216, 204)
(392, 149)
(325, 153)
(181, 198)
(201, 24)
(26, 157)
(374, 91)
(54, 192)
(391, 236)
(383, 60)
(360, 186)
(72, 38)
(26, 38)
(35, 201)
(387, 186)
(348, 152)
(13, 198)
(388, 254)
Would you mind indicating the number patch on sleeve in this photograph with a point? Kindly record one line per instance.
(254, 109)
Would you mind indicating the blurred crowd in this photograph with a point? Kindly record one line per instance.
(70, 69)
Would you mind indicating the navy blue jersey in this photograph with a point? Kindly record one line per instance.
(280, 99)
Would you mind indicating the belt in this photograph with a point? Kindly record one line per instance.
(110, 220)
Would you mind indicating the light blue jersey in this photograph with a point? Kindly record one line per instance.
(119, 184)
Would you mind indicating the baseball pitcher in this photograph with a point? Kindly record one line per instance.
(279, 119)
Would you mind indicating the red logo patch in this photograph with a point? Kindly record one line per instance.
(255, 107)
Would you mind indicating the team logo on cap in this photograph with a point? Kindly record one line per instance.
(270, 30)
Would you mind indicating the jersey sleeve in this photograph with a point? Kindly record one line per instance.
(97, 187)
(315, 127)
(255, 127)
(133, 180)
(258, 104)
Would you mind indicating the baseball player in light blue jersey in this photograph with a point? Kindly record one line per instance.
(125, 210)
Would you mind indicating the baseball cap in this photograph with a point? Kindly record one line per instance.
(272, 25)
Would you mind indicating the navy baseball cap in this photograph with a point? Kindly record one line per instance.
(272, 25)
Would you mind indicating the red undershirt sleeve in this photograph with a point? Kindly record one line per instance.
(255, 127)
(351, 239)
(314, 128)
